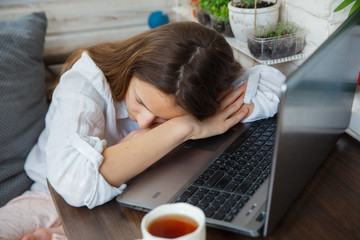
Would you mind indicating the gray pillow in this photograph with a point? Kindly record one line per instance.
(22, 98)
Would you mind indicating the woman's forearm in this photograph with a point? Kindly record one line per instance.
(127, 159)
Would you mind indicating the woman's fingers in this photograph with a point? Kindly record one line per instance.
(230, 98)
(236, 118)
(232, 110)
(234, 107)
(224, 94)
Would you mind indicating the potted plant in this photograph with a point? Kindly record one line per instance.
(219, 17)
(244, 14)
(202, 12)
(275, 41)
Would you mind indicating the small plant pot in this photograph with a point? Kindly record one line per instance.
(203, 16)
(244, 18)
(221, 25)
(266, 48)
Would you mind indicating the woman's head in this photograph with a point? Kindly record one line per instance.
(186, 60)
(148, 106)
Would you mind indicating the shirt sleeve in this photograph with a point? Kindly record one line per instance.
(263, 89)
(75, 126)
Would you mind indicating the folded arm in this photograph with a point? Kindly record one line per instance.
(139, 151)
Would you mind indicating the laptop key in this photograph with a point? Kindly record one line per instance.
(181, 199)
(231, 172)
(219, 216)
(202, 205)
(224, 156)
(213, 179)
(192, 201)
(248, 168)
(244, 199)
(251, 178)
(230, 202)
(223, 182)
(238, 207)
(224, 168)
(208, 198)
(208, 213)
(219, 201)
(198, 195)
(213, 193)
(231, 187)
(224, 209)
(224, 195)
(214, 166)
(250, 192)
(260, 180)
(199, 182)
(256, 173)
(243, 187)
(228, 218)
(212, 207)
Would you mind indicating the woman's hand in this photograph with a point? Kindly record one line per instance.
(232, 110)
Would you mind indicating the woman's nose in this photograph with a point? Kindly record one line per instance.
(145, 119)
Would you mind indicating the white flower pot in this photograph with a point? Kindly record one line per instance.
(243, 18)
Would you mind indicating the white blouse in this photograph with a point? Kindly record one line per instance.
(83, 120)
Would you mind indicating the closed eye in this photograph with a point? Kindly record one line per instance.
(158, 120)
(141, 102)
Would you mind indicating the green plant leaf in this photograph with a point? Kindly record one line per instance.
(356, 6)
(343, 5)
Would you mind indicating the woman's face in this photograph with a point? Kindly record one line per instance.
(147, 105)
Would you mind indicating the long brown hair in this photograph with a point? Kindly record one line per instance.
(184, 59)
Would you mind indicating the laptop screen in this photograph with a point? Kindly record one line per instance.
(315, 110)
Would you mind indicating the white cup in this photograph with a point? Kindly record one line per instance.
(183, 209)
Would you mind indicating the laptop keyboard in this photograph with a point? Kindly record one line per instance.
(224, 187)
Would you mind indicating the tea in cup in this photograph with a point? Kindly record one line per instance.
(179, 221)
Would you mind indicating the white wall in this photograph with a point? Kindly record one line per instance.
(317, 17)
(76, 23)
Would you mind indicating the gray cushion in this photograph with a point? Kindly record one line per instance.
(22, 98)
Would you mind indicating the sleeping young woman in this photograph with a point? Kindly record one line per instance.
(119, 107)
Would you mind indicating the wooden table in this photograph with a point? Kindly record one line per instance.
(328, 208)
